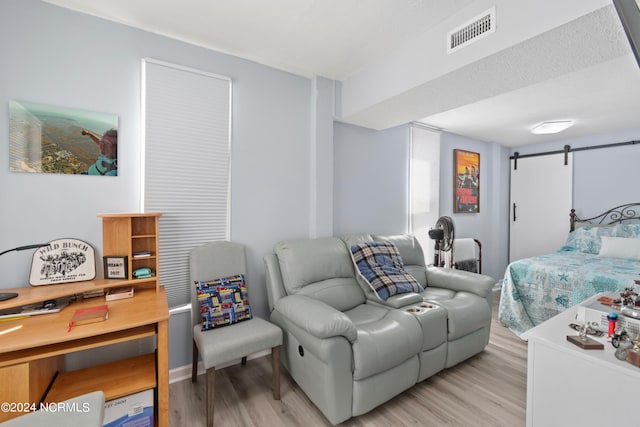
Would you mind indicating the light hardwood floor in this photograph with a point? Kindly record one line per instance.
(488, 389)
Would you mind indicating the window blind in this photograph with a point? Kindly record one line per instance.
(186, 164)
(424, 182)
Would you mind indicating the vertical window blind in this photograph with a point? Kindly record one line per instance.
(424, 183)
(186, 164)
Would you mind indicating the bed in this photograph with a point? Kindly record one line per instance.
(597, 257)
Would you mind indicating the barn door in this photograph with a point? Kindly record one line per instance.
(541, 199)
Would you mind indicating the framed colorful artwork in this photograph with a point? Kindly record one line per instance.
(466, 182)
(52, 139)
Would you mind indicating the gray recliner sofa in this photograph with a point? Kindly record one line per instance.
(351, 351)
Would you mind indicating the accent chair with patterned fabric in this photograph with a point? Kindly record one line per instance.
(224, 330)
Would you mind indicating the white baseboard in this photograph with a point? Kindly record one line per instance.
(184, 372)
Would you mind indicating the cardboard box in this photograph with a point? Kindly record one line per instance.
(132, 410)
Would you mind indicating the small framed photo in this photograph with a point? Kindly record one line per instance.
(115, 267)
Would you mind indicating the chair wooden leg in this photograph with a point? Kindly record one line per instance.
(194, 363)
(244, 361)
(275, 371)
(211, 390)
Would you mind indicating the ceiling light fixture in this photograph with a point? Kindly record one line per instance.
(551, 127)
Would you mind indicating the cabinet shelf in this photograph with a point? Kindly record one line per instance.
(35, 294)
(115, 379)
(60, 348)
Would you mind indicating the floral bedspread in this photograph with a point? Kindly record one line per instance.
(536, 289)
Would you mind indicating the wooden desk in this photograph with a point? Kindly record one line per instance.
(32, 349)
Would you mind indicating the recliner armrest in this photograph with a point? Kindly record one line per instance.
(315, 317)
(275, 287)
(460, 280)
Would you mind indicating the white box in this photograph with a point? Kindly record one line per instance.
(134, 409)
(596, 315)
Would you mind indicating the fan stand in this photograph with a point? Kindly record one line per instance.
(436, 254)
(438, 258)
(442, 234)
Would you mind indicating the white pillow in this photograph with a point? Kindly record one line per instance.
(620, 247)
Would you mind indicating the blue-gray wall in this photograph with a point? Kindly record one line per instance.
(282, 132)
(371, 184)
(491, 224)
(371, 179)
(54, 56)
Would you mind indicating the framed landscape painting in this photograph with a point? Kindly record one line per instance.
(51, 139)
(466, 182)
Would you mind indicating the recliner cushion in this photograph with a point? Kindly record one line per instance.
(408, 246)
(386, 338)
(320, 268)
(466, 312)
(339, 293)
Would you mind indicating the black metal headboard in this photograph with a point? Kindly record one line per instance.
(615, 215)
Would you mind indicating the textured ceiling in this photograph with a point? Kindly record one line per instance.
(329, 38)
(610, 104)
(581, 70)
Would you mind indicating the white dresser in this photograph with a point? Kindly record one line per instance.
(569, 386)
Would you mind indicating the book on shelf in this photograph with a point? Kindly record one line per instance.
(142, 254)
(92, 294)
(84, 316)
(119, 293)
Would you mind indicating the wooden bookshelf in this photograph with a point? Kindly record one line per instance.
(130, 233)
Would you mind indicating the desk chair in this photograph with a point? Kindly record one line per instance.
(86, 410)
(222, 345)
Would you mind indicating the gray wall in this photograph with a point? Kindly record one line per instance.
(54, 56)
(491, 224)
(371, 180)
(371, 183)
(281, 148)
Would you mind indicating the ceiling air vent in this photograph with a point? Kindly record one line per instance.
(471, 31)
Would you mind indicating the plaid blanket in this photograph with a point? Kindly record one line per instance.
(381, 266)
